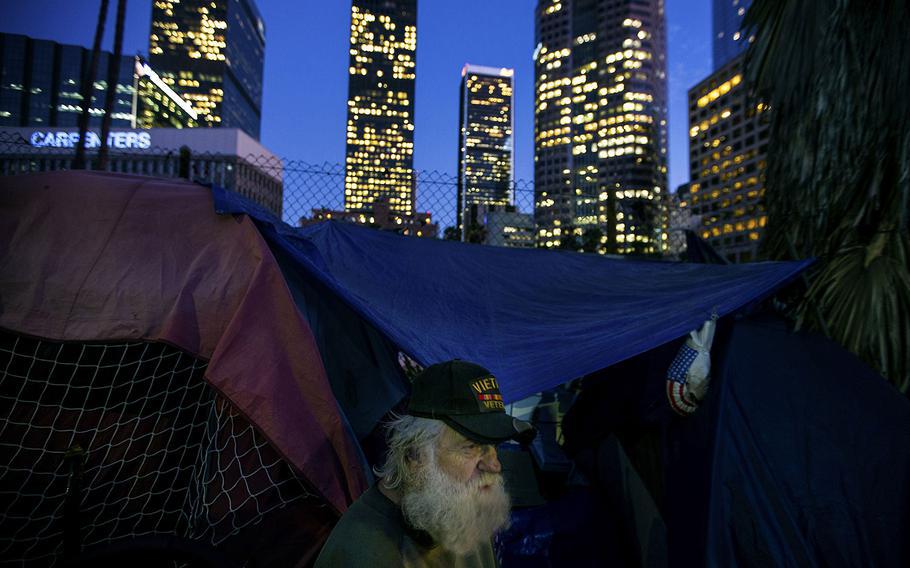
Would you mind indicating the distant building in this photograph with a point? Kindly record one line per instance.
(727, 19)
(681, 219)
(227, 157)
(600, 123)
(41, 84)
(728, 138)
(485, 141)
(379, 155)
(505, 226)
(212, 53)
(383, 217)
(156, 104)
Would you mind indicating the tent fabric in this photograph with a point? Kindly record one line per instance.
(535, 318)
(361, 364)
(811, 457)
(106, 257)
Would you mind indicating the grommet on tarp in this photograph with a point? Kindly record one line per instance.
(690, 372)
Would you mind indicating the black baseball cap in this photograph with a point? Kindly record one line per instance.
(466, 397)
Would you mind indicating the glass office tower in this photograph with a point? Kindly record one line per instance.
(41, 84)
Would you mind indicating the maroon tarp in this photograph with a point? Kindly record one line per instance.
(104, 257)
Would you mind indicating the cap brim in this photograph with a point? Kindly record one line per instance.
(491, 427)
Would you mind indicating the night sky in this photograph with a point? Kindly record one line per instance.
(303, 114)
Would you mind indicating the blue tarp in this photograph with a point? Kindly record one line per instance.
(535, 318)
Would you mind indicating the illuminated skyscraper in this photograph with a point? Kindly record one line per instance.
(379, 156)
(727, 18)
(211, 53)
(600, 126)
(728, 139)
(485, 142)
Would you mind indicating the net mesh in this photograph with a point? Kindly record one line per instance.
(165, 454)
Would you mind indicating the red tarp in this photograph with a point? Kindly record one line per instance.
(104, 257)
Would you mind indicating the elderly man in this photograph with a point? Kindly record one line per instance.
(440, 497)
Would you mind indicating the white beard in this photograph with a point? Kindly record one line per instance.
(459, 516)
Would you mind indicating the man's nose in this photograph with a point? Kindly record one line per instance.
(489, 461)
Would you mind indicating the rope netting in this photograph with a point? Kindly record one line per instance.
(164, 454)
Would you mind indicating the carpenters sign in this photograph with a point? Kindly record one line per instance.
(66, 139)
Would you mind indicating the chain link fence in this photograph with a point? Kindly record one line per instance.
(301, 193)
(297, 191)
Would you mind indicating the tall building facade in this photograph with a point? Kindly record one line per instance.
(212, 54)
(41, 84)
(485, 141)
(729, 41)
(156, 104)
(379, 154)
(728, 137)
(600, 124)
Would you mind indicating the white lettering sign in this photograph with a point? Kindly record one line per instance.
(128, 140)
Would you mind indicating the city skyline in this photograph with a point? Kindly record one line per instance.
(305, 120)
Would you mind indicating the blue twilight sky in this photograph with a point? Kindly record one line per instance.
(303, 114)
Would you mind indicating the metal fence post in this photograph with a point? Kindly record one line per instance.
(185, 156)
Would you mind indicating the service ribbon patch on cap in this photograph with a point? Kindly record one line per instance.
(488, 395)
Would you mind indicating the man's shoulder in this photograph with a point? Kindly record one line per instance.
(366, 535)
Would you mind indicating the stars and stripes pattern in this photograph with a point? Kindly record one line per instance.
(679, 369)
(676, 381)
(679, 402)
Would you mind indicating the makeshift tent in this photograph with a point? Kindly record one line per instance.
(297, 332)
(92, 268)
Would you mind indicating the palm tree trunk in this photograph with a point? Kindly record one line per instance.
(88, 82)
(113, 74)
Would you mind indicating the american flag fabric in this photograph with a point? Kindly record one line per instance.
(688, 375)
(679, 369)
(677, 376)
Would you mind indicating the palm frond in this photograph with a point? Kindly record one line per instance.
(836, 76)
